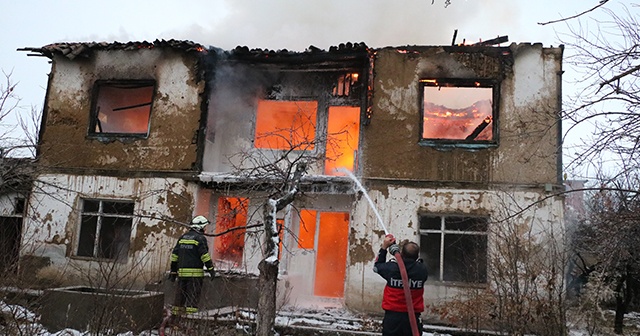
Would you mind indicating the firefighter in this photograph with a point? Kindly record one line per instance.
(396, 321)
(188, 259)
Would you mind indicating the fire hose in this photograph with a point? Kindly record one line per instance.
(403, 269)
(407, 293)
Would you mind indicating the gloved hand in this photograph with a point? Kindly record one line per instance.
(388, 241)
(172, 276)
(394, 248)
(212, 273)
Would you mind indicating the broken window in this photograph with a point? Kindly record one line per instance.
(228, 247)
(122, 108)
(343, 129)
(454, 248)
(458, 111)
(105, 229)
(286, 124)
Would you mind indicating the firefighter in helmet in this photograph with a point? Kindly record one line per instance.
(188, 259)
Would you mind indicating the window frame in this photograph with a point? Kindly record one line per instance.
(100, 214)
(494, 84)
(444, 232)
(93, 115)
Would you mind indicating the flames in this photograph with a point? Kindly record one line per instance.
(457, 113)
(232, 213)
(441, 122)
(286, 125)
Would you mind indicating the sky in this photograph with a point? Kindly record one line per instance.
(276, 24)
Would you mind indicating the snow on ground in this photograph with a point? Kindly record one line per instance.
(327, 318)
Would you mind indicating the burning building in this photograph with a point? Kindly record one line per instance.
(449, 141)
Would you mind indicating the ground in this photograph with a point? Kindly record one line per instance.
(16, 320)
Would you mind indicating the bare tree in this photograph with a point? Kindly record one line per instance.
(274, 177)
(609, 238)
(524, 293)
(606, 60)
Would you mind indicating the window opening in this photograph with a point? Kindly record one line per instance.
(307, 229)
(454, 247)
(105, 229)
(286, 124)
(343, 129)
(345, 84)
(457, 110)
(122, 108)
(19, 206)
(331, 259)
(232, 213)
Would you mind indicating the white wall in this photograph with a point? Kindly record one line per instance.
(399, 207)
(52, 222)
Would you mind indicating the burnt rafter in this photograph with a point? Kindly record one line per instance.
(354, 53)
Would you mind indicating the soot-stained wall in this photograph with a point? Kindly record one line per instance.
(174, 121)
(528, 115)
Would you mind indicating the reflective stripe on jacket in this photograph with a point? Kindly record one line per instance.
(190, 255)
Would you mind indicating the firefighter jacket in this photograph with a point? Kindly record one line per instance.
(190, 254)
(393, 298)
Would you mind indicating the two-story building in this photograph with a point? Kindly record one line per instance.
(451, 143)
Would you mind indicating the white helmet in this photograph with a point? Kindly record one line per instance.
(199, 222)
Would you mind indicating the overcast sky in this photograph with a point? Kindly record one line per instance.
(274, 24)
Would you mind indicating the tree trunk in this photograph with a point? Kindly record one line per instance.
(618, 321)
(268, 280)
(267, 301)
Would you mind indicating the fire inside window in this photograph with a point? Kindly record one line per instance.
(291, 125)
(288, 125)
(122, 108)
(228, 248)
(343, 128)
(327, 233)
(458, 111)
(454, 248)
(105, 229)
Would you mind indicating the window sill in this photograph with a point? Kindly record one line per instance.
(448, 146)
(124, 138)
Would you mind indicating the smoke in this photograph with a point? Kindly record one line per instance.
(295, 24)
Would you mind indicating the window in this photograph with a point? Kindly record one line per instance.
(286, 124)
(343, 128)
(454, 248)
(19, 206)
(229, 247)
(459, 112)
(105, 229)
(121, 108)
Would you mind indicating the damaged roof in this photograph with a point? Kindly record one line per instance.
(73, 50)
(355, 53)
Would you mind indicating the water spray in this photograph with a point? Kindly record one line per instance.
(403, 271)
(366, 195)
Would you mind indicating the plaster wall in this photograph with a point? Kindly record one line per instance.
(399, 208)
(53, 221)
(174, 118)
(528, 116)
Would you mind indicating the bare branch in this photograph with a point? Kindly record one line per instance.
(602, 2)
(615, 78)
